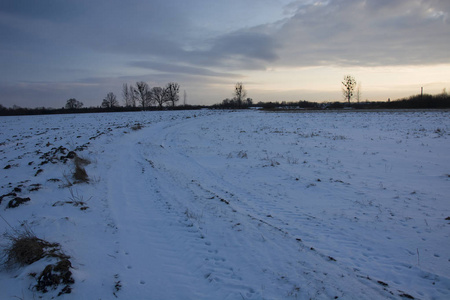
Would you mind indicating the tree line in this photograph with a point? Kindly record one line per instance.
(139, 95)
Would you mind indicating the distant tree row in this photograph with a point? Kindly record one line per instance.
(140, 95)
(144, 96)
(424, 101)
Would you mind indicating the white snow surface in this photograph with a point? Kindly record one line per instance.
(235, 205)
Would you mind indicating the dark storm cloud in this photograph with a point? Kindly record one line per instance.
(251, 45)
(44, 41)
(157, 29)
(243, 50)
(351, 32)
(58, 11)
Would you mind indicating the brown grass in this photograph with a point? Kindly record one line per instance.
(25, 248)
(80, 174)
(137, 126)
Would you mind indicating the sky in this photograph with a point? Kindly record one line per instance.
(281, 50)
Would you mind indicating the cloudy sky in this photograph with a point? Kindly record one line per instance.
(282, 50)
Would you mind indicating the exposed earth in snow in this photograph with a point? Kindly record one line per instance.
(233, 205)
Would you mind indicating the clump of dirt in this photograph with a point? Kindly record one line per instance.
(12, 194)
(54, 155)
(35, 187)
(54, 275)
(80, 204)
(59, 154)
(17, 201)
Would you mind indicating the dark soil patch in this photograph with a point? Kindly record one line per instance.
(35, 187)
(53, 180)
(17, 201)
(54, 275)
(12, 194)
(80, 204)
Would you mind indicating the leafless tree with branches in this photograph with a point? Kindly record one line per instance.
(239, 93)
(143, 94)
(172, 89)
(159, 96)
(110, 101)
(349, 87)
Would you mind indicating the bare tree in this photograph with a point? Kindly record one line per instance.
(239, 93)
(143, 94)
(358, 92)
(133, 96)
(172, 89)
(73, 103)
(349, 87)
(128, 95)
(110, 101)
(159, 96)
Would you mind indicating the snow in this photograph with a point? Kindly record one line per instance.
(236, 205)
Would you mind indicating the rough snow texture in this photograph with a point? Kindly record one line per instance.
(235, 205)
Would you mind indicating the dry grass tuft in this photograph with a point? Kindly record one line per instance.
(25, 248)
(80, 174)
(81, 161)
(137, 126)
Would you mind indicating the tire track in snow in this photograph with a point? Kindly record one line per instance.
(173, 258)
(209, 193)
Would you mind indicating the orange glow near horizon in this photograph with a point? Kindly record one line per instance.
(324, 83)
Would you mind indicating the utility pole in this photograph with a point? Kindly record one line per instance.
(421, 92)
(184, 97)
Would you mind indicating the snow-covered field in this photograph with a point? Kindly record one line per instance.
(234, 205)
